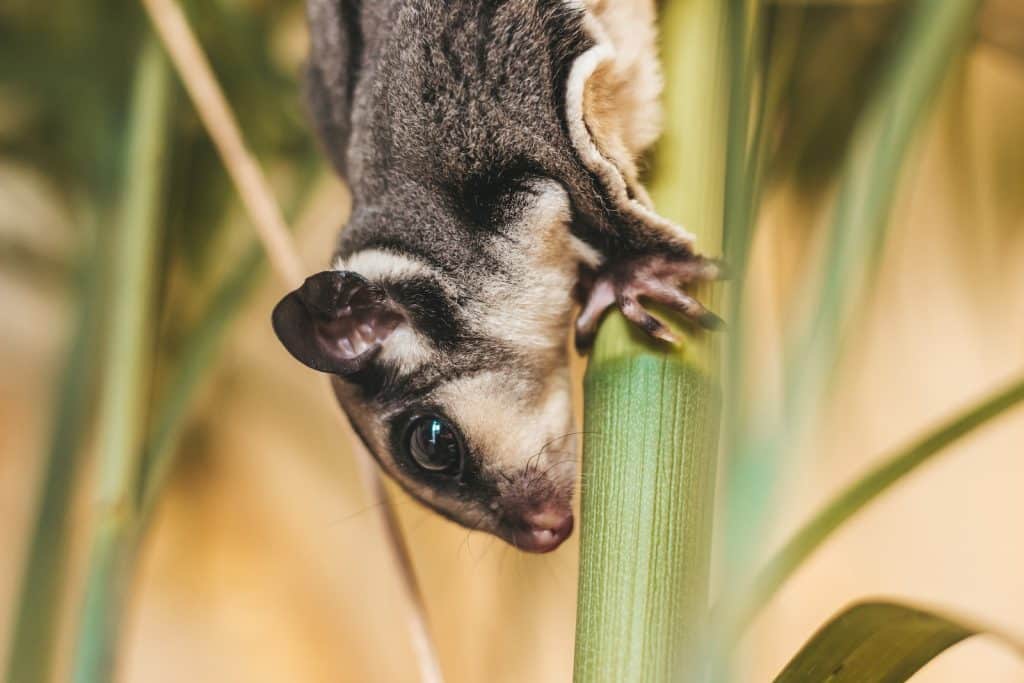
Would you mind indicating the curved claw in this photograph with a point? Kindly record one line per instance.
(684, 304)
(655, 278)
(637, 314)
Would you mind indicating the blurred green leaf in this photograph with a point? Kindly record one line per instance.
(937, 31)
(836, 67)
(68, 64)
(876, 642)
(855, 497)
(190, 368)
(41, 592)
(128, 370)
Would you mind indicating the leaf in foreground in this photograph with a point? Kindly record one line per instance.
(877, 642)
(125, 379)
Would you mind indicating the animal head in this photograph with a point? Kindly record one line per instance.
(490, 148)
(458, 385)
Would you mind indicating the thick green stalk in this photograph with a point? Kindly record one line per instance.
(42, 583)
(127, 369)
(651, 424)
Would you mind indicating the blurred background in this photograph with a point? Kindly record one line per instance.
(263, 561)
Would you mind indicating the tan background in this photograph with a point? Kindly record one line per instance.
(264, 564)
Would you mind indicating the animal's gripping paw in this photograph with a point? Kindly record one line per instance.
(653, 278)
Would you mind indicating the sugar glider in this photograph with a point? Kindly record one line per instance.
(491, 149)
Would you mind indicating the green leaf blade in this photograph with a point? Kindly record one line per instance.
(856, 496)
(937, 33)
(41, 593)
(126, 376)
(876, 642)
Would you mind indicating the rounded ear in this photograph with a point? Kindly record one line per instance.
(611, 109)
(336, 322)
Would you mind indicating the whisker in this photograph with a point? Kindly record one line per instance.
(547, 469)
(365, 509)
(469, 532)
(559, 438)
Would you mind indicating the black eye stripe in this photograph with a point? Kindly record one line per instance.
(388, 390)
(431, 311)
(488, 192)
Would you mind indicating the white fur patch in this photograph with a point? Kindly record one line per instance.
(406, 349)
(379, 265)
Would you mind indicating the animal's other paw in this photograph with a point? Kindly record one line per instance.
(653, 278)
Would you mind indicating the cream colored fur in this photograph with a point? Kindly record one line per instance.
(612, 104)
(529, 306)
(406, 348)
(621, 104)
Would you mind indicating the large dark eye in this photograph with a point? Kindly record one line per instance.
(434, 444)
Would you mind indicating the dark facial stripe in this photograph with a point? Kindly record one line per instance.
(433, 314)
(385, 388)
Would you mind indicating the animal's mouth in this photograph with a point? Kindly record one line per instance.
(541, 531)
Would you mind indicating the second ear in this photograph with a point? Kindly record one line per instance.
(336, 322)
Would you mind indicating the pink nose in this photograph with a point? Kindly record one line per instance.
(543, 530)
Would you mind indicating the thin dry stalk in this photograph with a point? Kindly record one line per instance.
(216, 114)
(194, 69)
(416, 619)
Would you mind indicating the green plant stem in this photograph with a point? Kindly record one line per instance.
(127, 369)
(651, 416)
(855, 497)
(42, 583)
(936, 32)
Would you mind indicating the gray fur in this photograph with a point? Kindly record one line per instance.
(448, 121)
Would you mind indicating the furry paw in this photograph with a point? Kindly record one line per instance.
(653, 278)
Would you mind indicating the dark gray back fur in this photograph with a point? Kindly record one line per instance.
(432, 109)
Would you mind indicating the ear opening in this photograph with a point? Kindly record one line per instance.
(336, 322)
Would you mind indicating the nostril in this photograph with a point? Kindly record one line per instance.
(540, 530)
(547, 529)
(555, 521)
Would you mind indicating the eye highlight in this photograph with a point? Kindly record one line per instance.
(434, 444)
